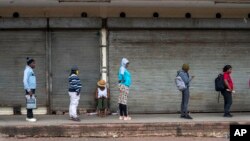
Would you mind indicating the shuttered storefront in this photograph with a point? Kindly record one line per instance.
(15, 46)
(74, 47)
(156, 55)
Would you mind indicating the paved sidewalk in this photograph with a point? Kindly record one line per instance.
(139, 118)
(141, 125)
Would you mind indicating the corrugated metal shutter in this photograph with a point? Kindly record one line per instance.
(74, 47)
(15, 46)
(156, 55)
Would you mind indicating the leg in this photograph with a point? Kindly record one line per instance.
(75, 101)
(184, 103)
(229, 102)
(121, 111)
(105, 105)
(29, 113)
(71, 105)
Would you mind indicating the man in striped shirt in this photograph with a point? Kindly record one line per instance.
(75, 86)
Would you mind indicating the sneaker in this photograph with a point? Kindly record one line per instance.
(228, 115)
(120, 118)
(187, 117)
(127, 118)
(31, 119)
(76, 119)
(182, 116)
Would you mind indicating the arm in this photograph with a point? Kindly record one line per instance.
(227, 84)
(25, 81)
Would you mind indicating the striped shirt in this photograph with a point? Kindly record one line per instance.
(75, 84)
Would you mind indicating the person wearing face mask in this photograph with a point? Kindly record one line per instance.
(125, 80)
(75, 86)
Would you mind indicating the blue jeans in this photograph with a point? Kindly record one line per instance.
(184, 102)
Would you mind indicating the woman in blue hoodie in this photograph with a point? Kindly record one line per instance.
(183, 73)
(124, 77)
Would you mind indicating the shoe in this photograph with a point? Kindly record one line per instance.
(120, 118)
(76, 119)
(228, 115)
(187, 117)
(127, 118)
(31, 119)
(182, 116)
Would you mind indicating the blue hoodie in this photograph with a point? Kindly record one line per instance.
(29, 79)
(185, 77)
(124, 75)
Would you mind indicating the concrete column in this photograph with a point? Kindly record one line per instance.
(104, 54)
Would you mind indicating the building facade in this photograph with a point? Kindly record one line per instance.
(156, 36)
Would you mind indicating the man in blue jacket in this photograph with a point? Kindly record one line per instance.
(29, 81)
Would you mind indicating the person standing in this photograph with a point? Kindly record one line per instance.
(124, 78)
(29, 81)
(75, 86)
(184, 74)
(227, 93)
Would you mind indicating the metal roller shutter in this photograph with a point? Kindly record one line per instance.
(15, 46)
(74, 47)
(156, 55)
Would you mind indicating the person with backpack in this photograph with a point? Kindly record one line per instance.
(75, 86)
(229, 89)
(184, 75)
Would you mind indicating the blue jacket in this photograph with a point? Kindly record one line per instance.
(124, 75)
(75, 84)
(185, 77)
(29, 79)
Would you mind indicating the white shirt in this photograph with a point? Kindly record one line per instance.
(102, 93)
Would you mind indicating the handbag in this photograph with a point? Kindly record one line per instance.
(31, 102)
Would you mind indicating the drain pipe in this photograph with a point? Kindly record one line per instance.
(103, 51)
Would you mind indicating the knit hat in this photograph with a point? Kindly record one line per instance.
(101, 83)
(185, 67)
(29, 60)
(74, 68)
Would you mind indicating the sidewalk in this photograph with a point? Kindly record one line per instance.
(203, 124)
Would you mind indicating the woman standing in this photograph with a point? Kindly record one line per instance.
(227, 94)
(185, 93)
(124, 77)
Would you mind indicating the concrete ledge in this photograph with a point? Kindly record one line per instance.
(92, 23)
(21, 23)
(119, 130)
(182, 23)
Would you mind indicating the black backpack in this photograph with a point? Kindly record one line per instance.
(219, 83)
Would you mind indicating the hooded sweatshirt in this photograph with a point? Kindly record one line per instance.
(185, 77)
(124, 75)
(29, 79)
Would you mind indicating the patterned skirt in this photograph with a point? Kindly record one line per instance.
(123, 97)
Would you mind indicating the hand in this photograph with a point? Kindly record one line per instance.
(193, 77)
(77, 94)
(30, 93)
